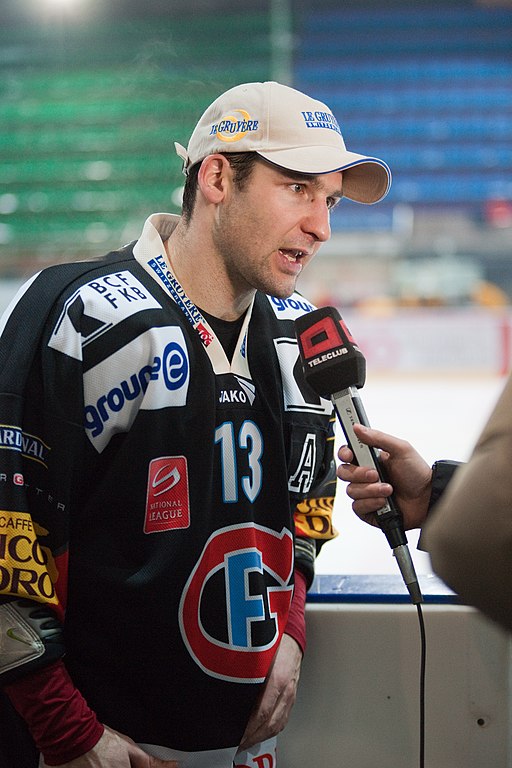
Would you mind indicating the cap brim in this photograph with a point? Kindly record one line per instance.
(365, 179)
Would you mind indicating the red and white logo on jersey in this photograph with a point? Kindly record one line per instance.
(247, 569)
(167, 499)
(206, 336)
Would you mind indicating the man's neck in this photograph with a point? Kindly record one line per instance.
(202, 277)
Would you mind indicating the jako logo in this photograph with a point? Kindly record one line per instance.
(172, 367)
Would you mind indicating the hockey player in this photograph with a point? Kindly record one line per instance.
(169, 475)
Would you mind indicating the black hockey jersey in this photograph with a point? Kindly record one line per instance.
(148, 490)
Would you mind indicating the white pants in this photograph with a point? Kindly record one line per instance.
(260, 756)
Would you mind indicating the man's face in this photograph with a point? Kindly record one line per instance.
(267, 232)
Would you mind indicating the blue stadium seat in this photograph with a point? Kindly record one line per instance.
(427, 87)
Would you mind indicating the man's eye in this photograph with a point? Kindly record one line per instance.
(297, 187)
(332, 202)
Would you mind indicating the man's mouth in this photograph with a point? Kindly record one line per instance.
(291, 254)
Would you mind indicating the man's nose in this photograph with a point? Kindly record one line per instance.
(317, 222)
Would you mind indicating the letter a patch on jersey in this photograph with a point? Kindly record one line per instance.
(302, 479)
(167, 499)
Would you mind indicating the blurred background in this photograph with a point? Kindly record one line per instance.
(95, 92)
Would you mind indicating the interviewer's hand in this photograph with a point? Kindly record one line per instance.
(114, 750)
(409, 475)
(272, 711)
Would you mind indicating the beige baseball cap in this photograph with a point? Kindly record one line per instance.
(289, 129)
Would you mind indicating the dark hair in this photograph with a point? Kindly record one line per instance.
(242, 164)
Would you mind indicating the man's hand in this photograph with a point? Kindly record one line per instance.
(409, 474)
(114, 750)
(273, 708)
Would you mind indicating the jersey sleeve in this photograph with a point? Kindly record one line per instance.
(309, 436)
(37, 453)
(313, 515)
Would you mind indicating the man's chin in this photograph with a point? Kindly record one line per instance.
(282, 292)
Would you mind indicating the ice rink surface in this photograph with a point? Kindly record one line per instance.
(442, 417)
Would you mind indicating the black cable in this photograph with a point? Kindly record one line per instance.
(423, 666)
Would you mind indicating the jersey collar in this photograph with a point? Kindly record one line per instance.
(149, 251)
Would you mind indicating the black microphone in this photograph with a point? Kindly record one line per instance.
(335, 368)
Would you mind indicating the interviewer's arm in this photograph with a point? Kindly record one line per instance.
(469, 533)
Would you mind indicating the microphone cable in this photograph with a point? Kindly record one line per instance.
(423, 666)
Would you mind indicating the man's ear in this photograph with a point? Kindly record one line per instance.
(214, 178)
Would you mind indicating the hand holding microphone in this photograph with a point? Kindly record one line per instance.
(404, 467)
(335, 368)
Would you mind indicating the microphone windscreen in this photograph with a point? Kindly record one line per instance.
(331, 359)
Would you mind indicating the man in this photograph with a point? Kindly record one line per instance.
(169, 474)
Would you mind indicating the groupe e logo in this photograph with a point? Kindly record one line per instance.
(171, 368)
